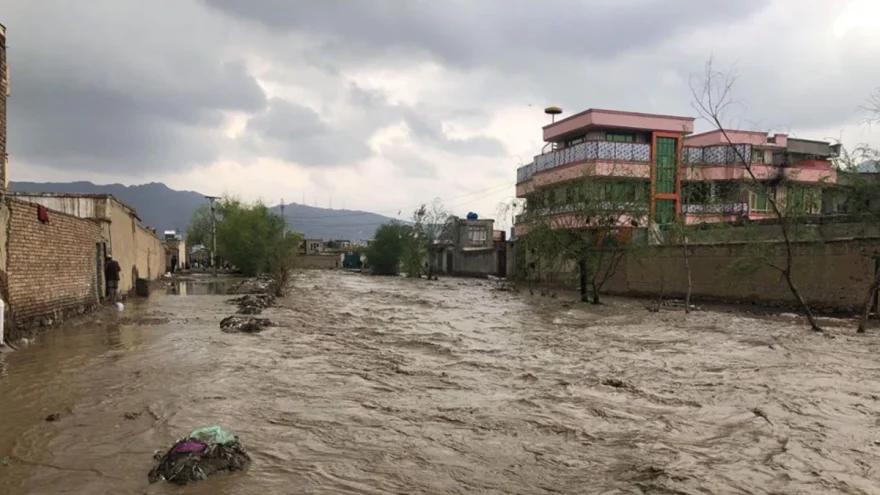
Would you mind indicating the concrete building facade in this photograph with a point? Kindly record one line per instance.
(656, 159)
(467, 250)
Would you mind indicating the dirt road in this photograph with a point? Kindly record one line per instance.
(386, 385)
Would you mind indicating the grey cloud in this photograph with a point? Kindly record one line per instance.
(425, 124)
(411, 165)
(466, 33)
(105, 100)
(298, 134)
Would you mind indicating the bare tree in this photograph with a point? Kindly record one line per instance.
(430, 226)
(588, 222)
(861, 192)
(712, 99)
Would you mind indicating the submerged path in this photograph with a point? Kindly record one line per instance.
(387, 385)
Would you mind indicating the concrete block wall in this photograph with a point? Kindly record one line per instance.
(50, 268)
(831, 275)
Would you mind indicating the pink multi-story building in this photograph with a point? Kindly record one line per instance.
(656, 160)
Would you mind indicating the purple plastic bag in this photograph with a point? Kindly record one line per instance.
(189, 447)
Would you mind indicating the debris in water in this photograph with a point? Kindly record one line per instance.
(253, 304)
(53, 417)
(203, 453)
(761, 414)
(244, 324)
(616, 383)
(132, 415)
(251, 286)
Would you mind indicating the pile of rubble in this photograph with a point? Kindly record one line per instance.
(244, 324)
(256, 296)
(253, 304)
(258, 285)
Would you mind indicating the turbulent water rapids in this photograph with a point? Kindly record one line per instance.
(385, 385)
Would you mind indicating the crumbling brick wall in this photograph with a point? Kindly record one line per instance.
(3, 90)
(51, 268)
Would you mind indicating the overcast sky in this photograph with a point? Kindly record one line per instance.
(383, 104)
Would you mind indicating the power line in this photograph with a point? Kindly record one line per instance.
(499, 187)
(300, 224)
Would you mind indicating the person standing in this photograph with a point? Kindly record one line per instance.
(111, 275)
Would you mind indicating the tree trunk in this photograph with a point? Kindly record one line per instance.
(866, 306)
(800, 299)
(582, 280)
(596, 294)
(687, 267)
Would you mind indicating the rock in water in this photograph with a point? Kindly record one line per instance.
(244, 324)
(196, 458)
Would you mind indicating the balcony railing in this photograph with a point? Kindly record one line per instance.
(623, 208)
(721, 208)
(525, 173)
(722, 155)
(594, 150)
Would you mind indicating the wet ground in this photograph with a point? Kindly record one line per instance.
(386, 385)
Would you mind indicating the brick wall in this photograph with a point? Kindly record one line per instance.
(50, 268)
(318, 261)
(2, 107)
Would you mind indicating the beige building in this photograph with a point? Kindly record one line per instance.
(137, 249)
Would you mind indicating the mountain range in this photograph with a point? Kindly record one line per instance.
(167, 209)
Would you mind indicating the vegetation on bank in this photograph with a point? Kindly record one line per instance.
(402, 246)
(251, 237)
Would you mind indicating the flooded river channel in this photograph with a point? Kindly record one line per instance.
(387, 385)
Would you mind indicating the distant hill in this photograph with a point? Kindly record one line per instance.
(166, 209)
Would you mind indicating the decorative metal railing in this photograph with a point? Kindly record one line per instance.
(725, 208)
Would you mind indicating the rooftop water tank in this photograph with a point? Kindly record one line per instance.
(472, 216)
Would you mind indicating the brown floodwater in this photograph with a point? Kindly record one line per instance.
(387, 385)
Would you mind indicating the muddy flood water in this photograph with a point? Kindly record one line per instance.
(387, 385)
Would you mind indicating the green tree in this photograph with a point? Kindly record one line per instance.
(248, 235)
(587, 223)
(282, 261)
(391, 242)
(199, 229)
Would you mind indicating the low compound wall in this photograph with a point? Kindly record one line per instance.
(51, 269)
(832, 275)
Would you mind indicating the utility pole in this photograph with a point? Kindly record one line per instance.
(284, 227)
(213, 234)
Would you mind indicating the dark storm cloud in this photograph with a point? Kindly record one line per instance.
(107, 100)
(298, 134)
(466, 33)
(301, 135)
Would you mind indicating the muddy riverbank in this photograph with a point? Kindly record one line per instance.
(387, 385)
